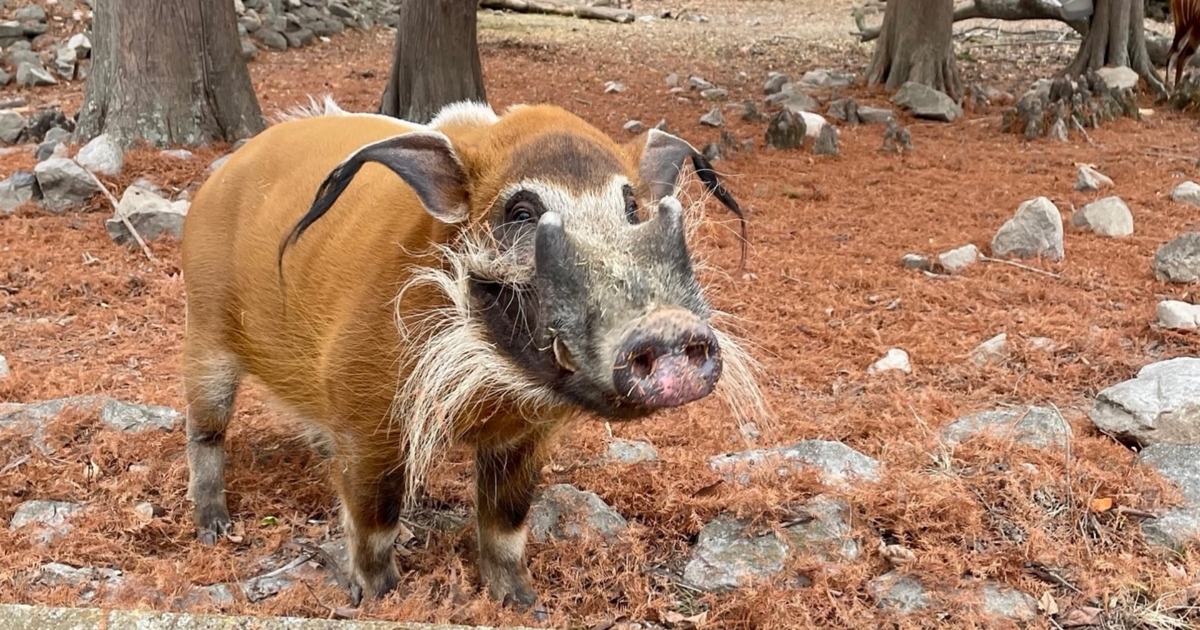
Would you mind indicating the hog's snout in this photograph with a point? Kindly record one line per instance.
(667, 359)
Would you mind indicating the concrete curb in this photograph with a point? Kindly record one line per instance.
(22, 617)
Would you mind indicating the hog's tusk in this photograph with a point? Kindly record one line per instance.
(563, 356)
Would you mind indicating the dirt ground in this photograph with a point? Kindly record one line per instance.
(826, 298)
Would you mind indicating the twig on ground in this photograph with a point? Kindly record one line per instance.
(1083, 131)
(124, 219)
(1173, 156)
(1020, 266)
(14, 464)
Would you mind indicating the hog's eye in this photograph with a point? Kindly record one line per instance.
(631, 204)
(522, 207)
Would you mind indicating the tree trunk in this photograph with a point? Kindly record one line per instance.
(1117, 38)
(168, 73)
(436, 60)
(915, 45)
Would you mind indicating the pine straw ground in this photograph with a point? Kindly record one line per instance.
(827, 297)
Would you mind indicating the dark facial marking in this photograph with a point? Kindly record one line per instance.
(631, 204)
(571, 161)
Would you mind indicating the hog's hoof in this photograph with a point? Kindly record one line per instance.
(213, 524)
(377, 587)
(519, 597)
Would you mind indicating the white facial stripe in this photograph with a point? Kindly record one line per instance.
(597, 211)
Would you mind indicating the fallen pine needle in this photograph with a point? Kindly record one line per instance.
(1020, 266)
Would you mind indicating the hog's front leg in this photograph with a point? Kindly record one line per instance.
(506, 478)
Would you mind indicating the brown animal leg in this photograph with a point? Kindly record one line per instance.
(210, 380)
(505, 481)
(370, 485)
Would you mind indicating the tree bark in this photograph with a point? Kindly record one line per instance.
(1117, 37)
(168, 73)
(915, 45)
(436, 60)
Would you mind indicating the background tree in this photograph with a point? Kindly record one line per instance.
(1116, 36)
(915, 45)
(168, 73)
(436, 59)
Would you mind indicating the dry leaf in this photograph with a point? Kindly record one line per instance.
(1103, 504)
(898, 555)
(1176, 572)
(707, 490)
(1047, 604)
(1077, 617)
(677, 620)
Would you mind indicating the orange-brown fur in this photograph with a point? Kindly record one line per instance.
(323, 336)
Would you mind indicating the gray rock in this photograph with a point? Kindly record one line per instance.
(698, 83)
(250, 21)
(631, 452)
(4, 371)
(673, 80)
(1035, 230)
(1118, 78)
(341, 11)
(64, 184)
(1161, 405)
(218, 163)
(5, 78)
(795, 102)
(875, 115)
(11, 126)
(31, 13)
(102, 155)
(11, 29)
(993, 350)
(1179, 464)
(894, 360)
(727, 553)
(33, 75)
(634, 126)
(270, 38)
(48, 149)
(1058, 131)
(81, 44)
(14, 191)
(249, 50)
(135, 418)
(775, 83)
(714, 94)
(90, 579)
(926, 102)
(299, 38)
(50, 516)
(959, 258)
(1187, 192)
(119, 415)
(1107, 217)
(827, 141)
(18, 56)
(901, 593)
(916, 261)
(565, 512)
(65, 59)
(825, 79)
(785, 131)
(57, 134)
(1179, 260)
(1089, 179)
(1171, 314)
(713, 118)
(1038, 427)
(837, 464)
(178, 154)
(1000, 601)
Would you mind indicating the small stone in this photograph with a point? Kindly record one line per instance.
(713, 118)
(825, 79)
(711, 151)
(698, 83)
(612, 87)
(827, 141)
(90, 579)
(673, 80)
(1038, 427)
(901, 593)
(178, 154)
(11, 126)
(151, 215)
(959, 258)
(218, 163)
(1161, 405)
(993, 350)
(64, 62)
(999, 601)
(634, 126)
(565, 512)
(149, 510)
(1089, 179)
(631, 452)
(1179, 464)
(4, 371)
(32, 75)
(837, 463)
(1176, 315)
(249, 50)
(714, 94)
(52, 516)
(341, 10)
(1119, 77)
(270, 38)
(299, 38)
(63, 184)
(48, 149)
(14, 192)
(916, 261)
(81, 44)
(785, 131)
(1187, 192)
(1043, 344)
(775, 83)
(750, 112)
(1035, 230)
(1107, 217)
(31, 13)
(796, 102)
(895, 360)
(926, 102)
(102, 155)
(1179, 260)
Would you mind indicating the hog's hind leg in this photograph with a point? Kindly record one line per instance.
(370, 484)
(211, 379)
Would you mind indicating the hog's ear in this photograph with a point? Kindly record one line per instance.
(662, 157)
(425, 160)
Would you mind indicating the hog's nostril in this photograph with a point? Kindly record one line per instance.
(697, 353)
(642, 365)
